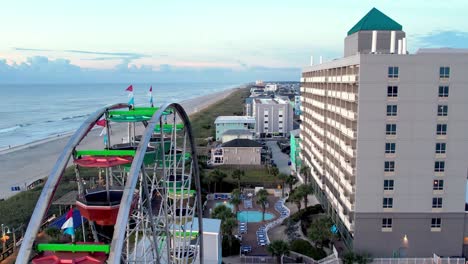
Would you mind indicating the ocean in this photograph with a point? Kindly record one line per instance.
(32, 112)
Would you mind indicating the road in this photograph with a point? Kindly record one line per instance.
(279, 157)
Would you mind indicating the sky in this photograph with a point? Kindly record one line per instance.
(202, 40)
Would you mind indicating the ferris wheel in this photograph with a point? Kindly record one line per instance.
(146, 204)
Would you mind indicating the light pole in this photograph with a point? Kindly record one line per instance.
(5, 231)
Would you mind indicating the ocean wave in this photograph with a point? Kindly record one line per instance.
(13, 128)
(73, 117)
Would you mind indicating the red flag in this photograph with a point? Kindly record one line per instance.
(129, 89)
(151, 88)
(69, 214)
(101, 122)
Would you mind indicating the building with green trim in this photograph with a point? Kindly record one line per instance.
(384, 135)
(294, 141)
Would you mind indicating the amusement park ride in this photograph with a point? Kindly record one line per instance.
(144, 209)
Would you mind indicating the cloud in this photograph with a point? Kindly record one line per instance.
(28, 49)
(443, 38)
(41, 69)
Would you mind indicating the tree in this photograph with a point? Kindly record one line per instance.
(237, 174)
(274, 172)
(236, 199)
(217, 176)
(305, 190)
(278, 248)
(222, 212)
(320, 231)
(296, 197)
(282, 177)
(262, 200)
(227, 225)
(305, 171)
(291, 180)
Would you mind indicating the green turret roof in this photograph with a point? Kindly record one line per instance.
(375, 20)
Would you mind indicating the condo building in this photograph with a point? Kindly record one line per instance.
(273, 116)
(385, 135)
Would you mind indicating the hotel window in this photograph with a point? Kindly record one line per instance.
(387, 222)
(438, 185)
(389, 166)
(442, 110)
(440, 148)
(436, 222)
(441, 129)
(392, 72)
(444, 72)
(266, 122)
(443, 91)
(390, 148)
(281, 122)
(439, 166)
(392, 110)
(392, 91)
(387, 202)
(437, 202)
(390, 129)
(388, 185)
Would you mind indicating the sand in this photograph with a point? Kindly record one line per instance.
(19, 166)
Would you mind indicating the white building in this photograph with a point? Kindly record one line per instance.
(274, 117)
(385, 134)
(224, 123)
(232, 134)
(271, 87)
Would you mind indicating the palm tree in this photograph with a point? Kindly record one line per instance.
(305, 171)
(305, 190)
(217, 176)
(222, 212)
(237, 174)
(262, 200)
(296, 198)
(278, 248)
(291, 180)
(274, 172)
(227, 225)
(282, 177)
(236, 199)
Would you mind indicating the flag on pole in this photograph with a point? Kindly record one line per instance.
(68, 225)
(131, 101)
(101, 122)
(150, 94)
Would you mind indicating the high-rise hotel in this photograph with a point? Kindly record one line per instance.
(385, 134)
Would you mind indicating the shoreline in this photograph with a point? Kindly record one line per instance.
(67, 134)
(25, 163)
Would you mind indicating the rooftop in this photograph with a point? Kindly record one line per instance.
(270, 101)
(241, 143)
(375, 20)
(210, 225)
(234, 119)
(237, 132)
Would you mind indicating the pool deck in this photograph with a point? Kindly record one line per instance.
(251, 238)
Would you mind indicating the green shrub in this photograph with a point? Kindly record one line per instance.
(304, 214)
(305, 248)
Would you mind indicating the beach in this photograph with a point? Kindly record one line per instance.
(24, 164)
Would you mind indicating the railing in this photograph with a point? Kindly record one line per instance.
(435, 260)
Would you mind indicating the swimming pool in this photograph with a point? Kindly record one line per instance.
(229, 205)
(253, 216)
